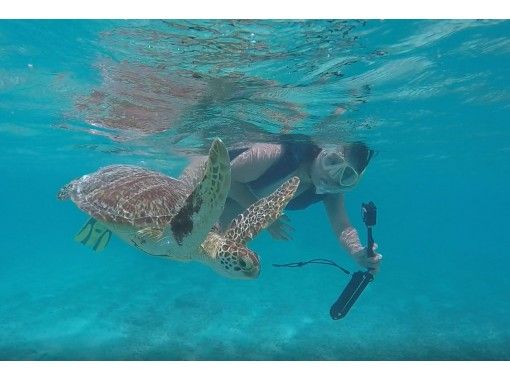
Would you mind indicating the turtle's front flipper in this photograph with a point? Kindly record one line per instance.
(228, 254)
(204, 205)
(262, 213)
(94, 235)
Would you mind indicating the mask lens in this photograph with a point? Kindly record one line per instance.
(349, 177)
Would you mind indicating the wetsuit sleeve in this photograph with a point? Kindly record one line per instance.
(339, 220)
(254, 162)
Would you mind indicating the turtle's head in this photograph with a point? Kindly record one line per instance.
(229, 258)
(234, 260)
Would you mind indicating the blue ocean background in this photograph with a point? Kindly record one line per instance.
(430, 96)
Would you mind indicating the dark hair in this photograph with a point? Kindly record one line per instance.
(358, 154)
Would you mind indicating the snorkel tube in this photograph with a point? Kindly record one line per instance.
(360, 279)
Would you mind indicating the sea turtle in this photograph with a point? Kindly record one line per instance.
(175, 218)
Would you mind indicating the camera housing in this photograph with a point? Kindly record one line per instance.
(369, 213)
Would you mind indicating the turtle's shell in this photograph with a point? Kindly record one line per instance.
(129, 195)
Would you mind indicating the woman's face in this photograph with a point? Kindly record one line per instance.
(332, 173)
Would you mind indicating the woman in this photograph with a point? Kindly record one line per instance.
(325, 174)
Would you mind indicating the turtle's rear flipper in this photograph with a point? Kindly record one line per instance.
(262, 213)
(94, 235)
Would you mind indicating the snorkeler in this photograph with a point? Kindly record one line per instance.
(325, 174)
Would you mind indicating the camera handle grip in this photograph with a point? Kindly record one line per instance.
(370, 243)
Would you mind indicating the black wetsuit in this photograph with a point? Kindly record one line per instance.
(293, 154)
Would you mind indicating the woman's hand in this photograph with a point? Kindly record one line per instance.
(372, 263)
(281, 229)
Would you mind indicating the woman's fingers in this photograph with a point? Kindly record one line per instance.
(285, 232)
(287, 228)
(280, 230)
(279, 235)
(284, 218)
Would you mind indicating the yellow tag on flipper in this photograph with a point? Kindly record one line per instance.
(94, 235)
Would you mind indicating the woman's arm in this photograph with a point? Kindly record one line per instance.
(249, 166)
(339, 220)
(347, 234)
(252, 163)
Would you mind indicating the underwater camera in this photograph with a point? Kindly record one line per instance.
(369, 213)
(360, 279)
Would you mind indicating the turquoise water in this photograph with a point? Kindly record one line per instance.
(431, 97)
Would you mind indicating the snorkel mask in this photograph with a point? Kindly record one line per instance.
(331, 173)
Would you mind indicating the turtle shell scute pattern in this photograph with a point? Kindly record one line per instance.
(129, 195)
